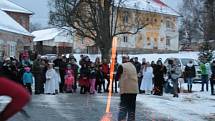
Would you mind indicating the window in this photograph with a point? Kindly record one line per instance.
(170, 24)
(12, 50)
(125, 39)
(125, 18)
(168, 41)
(161, 39)
(148, 41)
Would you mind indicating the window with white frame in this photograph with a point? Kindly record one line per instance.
(125, 39)
(12, 50)
(170, 25)
(168, 41)
(125, 17)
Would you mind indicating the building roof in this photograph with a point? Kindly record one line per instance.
(10, 25)
(7, 5)
(56, 34)
(150, 6)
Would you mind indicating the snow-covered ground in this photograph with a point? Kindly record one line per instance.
(196, 106)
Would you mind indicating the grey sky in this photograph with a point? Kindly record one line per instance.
(41, 8)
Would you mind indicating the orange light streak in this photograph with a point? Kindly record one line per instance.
(113, 57)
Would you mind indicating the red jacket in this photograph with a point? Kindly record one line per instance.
(105, 68)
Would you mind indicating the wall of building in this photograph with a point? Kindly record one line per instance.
(12, 44)
(161, 32)
(21, 18)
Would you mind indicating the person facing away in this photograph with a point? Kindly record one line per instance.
(28, 79)
(128, 84)
(204, 75)
(146, 84)
(190, 73)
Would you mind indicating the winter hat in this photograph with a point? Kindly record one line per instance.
(7, 59)
(27, 68)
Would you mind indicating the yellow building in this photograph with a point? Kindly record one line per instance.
(160, 33)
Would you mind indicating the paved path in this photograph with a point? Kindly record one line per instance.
(76, 107)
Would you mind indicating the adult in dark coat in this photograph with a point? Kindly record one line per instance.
(100, 82)
(38, 75)
(212, 79)
(8, 70)
(62, 68)
(189, 73)
(138, 67)
(159, 72)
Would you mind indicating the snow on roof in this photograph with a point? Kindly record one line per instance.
(7, 5)
(57, 34)
(149, 5)
(10, 25)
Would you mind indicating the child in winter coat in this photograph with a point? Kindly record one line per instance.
(92, 78)
(69, 79)
(28, 79)
(84, 78)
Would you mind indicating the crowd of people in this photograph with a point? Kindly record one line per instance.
(65, 75)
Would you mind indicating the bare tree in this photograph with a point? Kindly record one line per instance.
(35, 27)
(98, 20)
(192, 28)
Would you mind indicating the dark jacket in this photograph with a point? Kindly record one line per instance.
(190, 71)
(213, 72)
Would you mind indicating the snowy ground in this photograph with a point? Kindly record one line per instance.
(196, 106)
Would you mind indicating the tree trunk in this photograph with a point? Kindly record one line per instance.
(105, 51)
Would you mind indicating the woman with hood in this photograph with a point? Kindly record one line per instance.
(190, 73)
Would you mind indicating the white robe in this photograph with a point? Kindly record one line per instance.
(57, 81)
(147, 79)
(50, 85)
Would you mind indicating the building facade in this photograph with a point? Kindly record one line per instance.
(53, 41)
(14, 29)
(160, 33)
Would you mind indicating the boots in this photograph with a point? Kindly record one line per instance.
(188, 88)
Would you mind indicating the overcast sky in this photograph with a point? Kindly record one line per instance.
(41, 8)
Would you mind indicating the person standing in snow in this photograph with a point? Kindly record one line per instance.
(190, 73)
(37, 72)
(146, 84)
(128, 83)
(50, 84)
(69, 80)
(138, 66)
(212, 79)
(92, 78)
(204, 75)
(159, 72)
(174, 72)
(28, 79)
